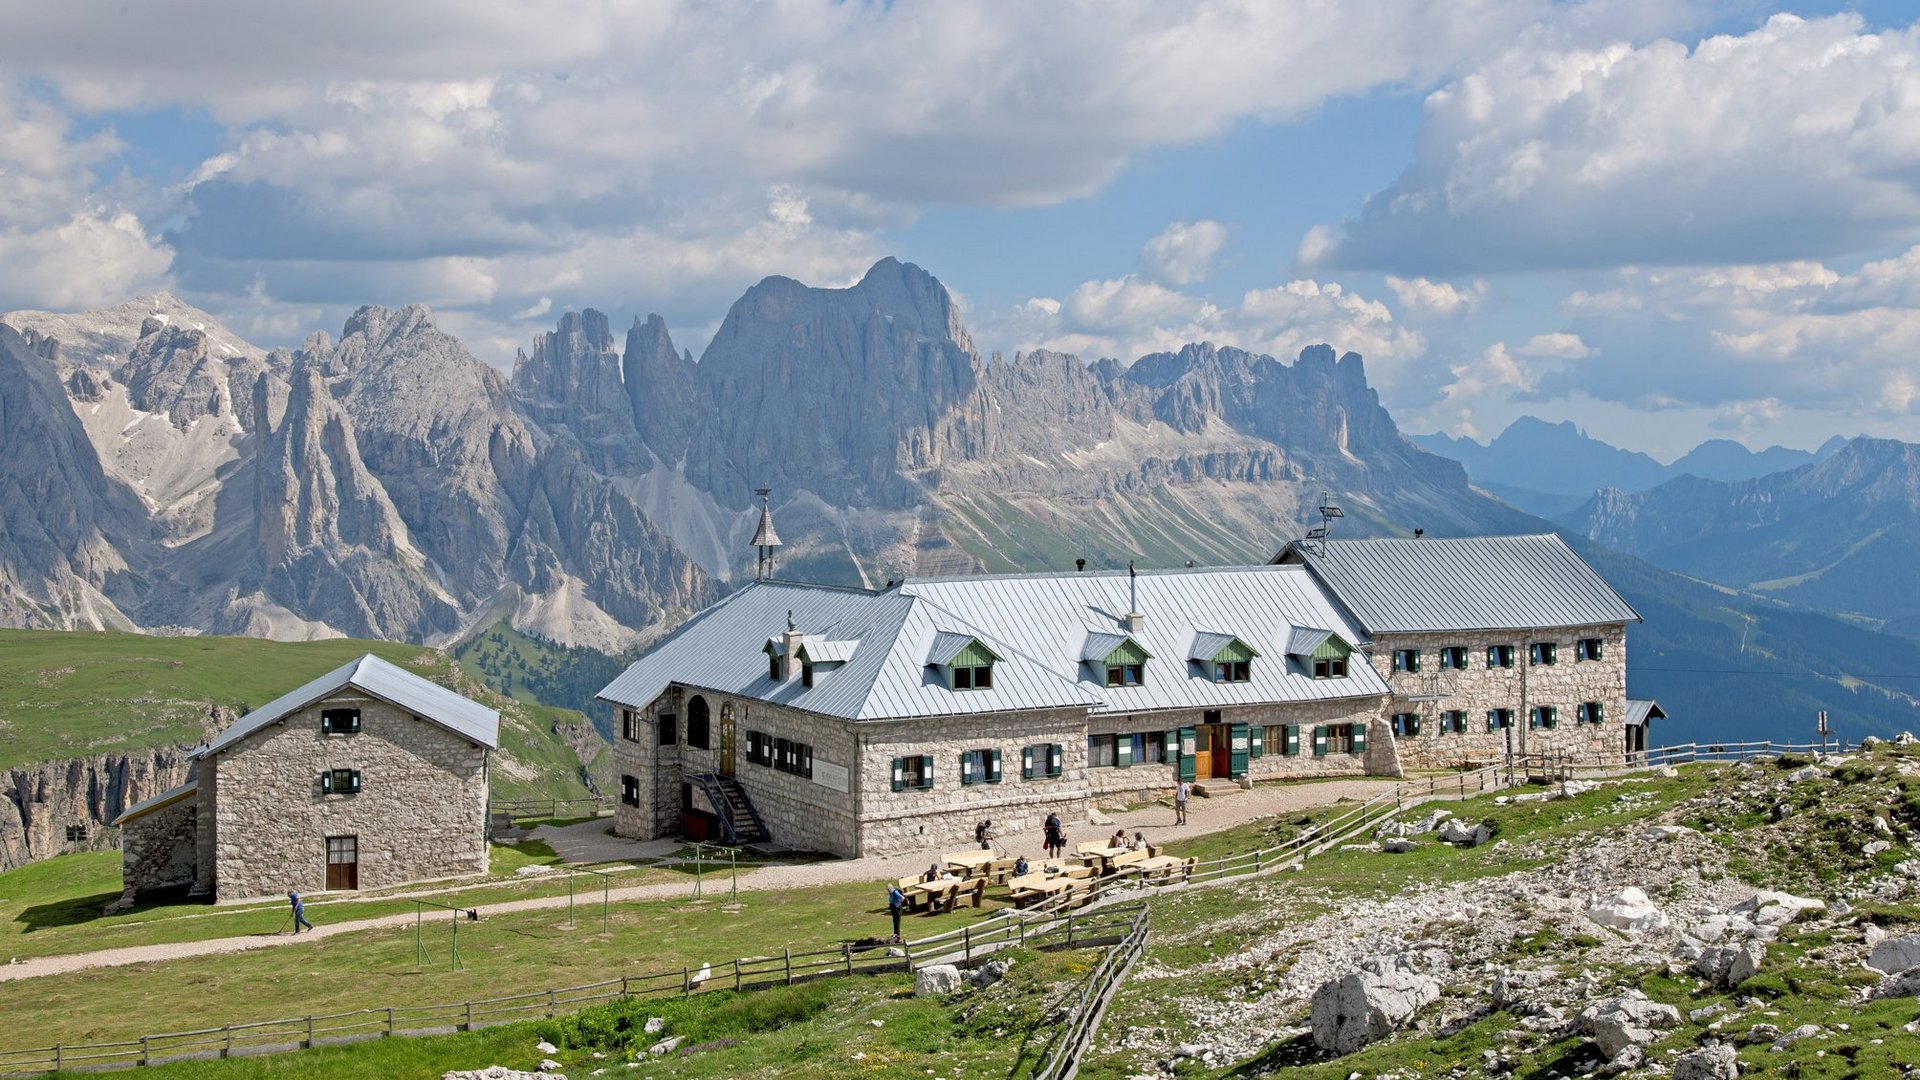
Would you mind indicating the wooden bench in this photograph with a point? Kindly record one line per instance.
(945, 896)
(1125, 859)
(999, 870)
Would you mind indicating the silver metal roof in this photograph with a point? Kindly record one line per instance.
(1468, 583)
(1038, 625)
(395, 685)
(1207, 644)
(1641, 710)
(149, 805)
(1100, 645)
(817, 648)
(1305, 639)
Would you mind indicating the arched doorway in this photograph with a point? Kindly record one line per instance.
(699, 723)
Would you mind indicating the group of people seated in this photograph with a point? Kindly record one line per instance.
(1119, 840)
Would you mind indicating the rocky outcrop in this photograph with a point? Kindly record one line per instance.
(1367, 1005)
(1626, 1021)
(39, 804)
(571, 388)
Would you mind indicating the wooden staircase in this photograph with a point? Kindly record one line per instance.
(740, 823)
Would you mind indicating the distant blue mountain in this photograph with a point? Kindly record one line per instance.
(1550, 469)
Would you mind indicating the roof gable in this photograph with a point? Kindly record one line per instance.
(390, 683)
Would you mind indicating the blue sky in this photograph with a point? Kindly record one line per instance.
(1664, 221)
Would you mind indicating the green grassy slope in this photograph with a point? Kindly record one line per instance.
(69, 694)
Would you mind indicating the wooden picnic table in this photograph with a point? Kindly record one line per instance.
(969, 863)
(1027, 888)
(1099, 858)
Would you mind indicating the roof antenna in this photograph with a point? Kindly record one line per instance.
(1317, 536)
(1134, 621)
(764, 538)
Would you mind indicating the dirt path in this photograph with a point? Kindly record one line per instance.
(1205, 816)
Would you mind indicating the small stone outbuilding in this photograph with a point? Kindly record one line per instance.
(367, 777)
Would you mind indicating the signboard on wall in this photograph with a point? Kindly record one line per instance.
(829, 775)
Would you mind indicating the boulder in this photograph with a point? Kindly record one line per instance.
(655, 1025)
(1895, 955)
(1510, 988)
(1627, 1020)
(1630, 910)
(990, 972)
(1665, 832)
(1804, 1031)
(499, 1072)
(1727, 966)
(1567, 789)
(550, 1065)
(1769, 908)
(664, 1046)
(1874, 847)
(1399, 845)
(1366, 1005)
(936, 980)
(1803, 774)
(545, 1047)
(1459, 832)
(1432, 821)
(1905, 738)
(1714, 1061)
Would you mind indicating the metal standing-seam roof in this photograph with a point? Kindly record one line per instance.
(1037, 624)
(1641, 710)
(1305, 639)
(1466, 583)
(1207, 645)
(156, 802)
(395, 685)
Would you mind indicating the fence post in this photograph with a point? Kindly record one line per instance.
(550, 1004)
(389, 1023)
(1069, 929)
(309, 1043)
(736, 973)
(847, 949)
(226, 1048)
(1256, 860)
(686, 979)
(786, 952)
(624, 992)
(56, 1057)
(468, 1026)
(966, 942)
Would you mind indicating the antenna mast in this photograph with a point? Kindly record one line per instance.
(1316, 538)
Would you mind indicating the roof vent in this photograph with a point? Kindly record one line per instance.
(1134, 621)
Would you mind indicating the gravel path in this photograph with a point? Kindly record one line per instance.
(589, 840)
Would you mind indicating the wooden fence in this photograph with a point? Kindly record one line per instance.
(584, 806)
(1108, 913)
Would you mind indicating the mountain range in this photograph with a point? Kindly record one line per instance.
(158, 472)
(1549, 469)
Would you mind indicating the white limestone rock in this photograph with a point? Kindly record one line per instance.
(655, 1025)
(1895, 956)
(1364, 1006)
(1803, 774)
(1629, 910)
(664, 1046)
(545, 1047)
(1728, 966)
(1627, 1020)
(937, 980)
(1715, 1061)
(1769, 908)
(1665, 832)
(1399, 845)
(500, 1072)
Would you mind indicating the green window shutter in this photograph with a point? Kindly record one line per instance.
(1056, 759)
(1598, 712)
(1290, 740)
(1122, 751)
(355, 781)
(1257, 747)
(1186, 737)
(1170, 745)
(326, 782)
(926, 772)
(326, 723)
(966, 769)
(1026, 763)
(1319, 740)
(1239, 745)
(1491, 726)
(899, 774)
(993, 768)
(1360, 738)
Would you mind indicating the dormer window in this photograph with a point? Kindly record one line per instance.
(964, 659)
(773, 666)
(1223, 657)
(1329, 667)
(806, 672)
(1118, 656)
(1322, 652)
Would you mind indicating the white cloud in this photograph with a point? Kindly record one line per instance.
(1436, 297)
(1557, 346)
(1797, 140)
(1183, 252)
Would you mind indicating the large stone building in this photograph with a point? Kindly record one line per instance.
(1493, 645)
(366, 777)
(870, 722)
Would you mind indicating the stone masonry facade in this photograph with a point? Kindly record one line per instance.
(157, 849)
(420, 813)
(1477, 688)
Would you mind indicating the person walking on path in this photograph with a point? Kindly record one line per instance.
(1056, 840)
(299, 911)
(1180, 794)
(983, 833)
(896, 902)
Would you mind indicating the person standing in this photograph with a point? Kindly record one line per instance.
(1055, 840)
(983, 833)
(299, 911)
(1180, 794)
(896, 903)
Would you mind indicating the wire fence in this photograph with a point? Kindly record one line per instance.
(1107, 912)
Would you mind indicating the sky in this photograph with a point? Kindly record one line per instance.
(1664, 220)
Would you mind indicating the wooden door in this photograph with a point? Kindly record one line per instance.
(1222, 749)
(726, 739)
(1203, 752)
(343, 862)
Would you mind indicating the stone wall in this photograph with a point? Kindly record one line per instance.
(206, 826)
(894, 821)
(157, 851)
(1478, 688)
(420, 813)
(1116, 786)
